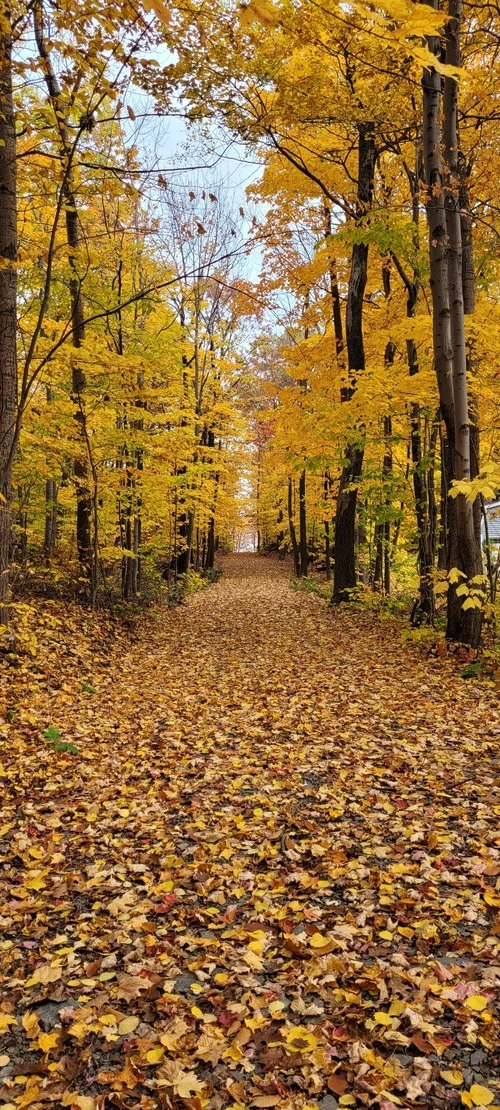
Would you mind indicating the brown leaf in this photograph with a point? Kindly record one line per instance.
(337, 1083)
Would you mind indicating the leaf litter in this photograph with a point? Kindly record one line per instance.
(255, 862)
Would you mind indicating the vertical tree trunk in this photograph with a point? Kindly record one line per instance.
(465, 551)
(210, 560)
(378, 541)
(51, 491)
(291, 529)
(304, 554)
(335, 296)
(8, 303)
(422, 476)
(328, 563)
(50, 540)
(84, 500)
(344, 578)
(445, 248)
(387, 470)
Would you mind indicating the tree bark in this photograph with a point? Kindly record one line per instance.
(8, 303)
(80, 465)
(304, 554)
(344, 575)
(291, 529)
(445, 248)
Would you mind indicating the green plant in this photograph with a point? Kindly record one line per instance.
(53, 737)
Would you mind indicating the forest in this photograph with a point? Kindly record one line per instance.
(249, 554)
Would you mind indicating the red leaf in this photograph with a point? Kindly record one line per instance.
(166, 904)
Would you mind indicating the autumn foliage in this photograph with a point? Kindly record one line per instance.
(248, 826)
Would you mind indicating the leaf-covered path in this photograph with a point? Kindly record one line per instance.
(269, 876)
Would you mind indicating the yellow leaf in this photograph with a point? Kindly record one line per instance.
(37, 883)
(396, 1008)
(77, 1102)
(453, 1076)
(3, 772)
(159, 9)
(299, 1039)
(30, 1024)
(187, 1085)
(317, 941)
(155, 1055)
(476, 1002)
(385, 934)
(46, 1041)
(127, 1025)
(492, 898)
(347, 1100)
(4, 1060)
(79, 1030)
(196, 988)
(480, 1096)
(382, 1018)
(234, 1052)
(5, 1021)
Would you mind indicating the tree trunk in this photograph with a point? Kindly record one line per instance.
(344, 576)
(291, 529)
(80, 466)
(463, 624)
(445, 249)
(304, 554)
(186, 530)
(50, 517)
(328, 563)
(8, 304)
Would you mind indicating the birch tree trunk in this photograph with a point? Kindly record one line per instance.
(8, 304)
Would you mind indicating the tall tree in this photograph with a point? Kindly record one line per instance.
(67, 150)
(441, 150)
(344, 573)
(8, 301)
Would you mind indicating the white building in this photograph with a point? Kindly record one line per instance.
(493, 520)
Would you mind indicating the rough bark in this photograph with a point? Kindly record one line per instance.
(335, 296)
(344, 577)
(291, 529)
(80, 466)
(422, 472)
(8, 304)
(304, 554)
(445, 249)
(328, 564)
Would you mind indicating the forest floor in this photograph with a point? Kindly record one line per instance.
(268, 876)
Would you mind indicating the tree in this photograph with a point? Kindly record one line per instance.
(8, 300)
(440, 132)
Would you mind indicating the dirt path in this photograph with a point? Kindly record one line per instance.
(269, 876)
